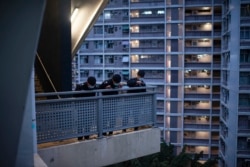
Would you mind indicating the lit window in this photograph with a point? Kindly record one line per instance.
(147, 12)
(160, 12)
(135, 59)
(135, 44)
(144, 56)
(107, 15)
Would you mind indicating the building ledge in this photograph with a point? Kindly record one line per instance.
(105, 151)
(38, 162)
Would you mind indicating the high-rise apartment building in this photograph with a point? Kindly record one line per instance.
(197, 53)
(235, 82)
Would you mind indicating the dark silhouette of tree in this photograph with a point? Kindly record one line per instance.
(195, 160)
(211, 163)
(182, 160)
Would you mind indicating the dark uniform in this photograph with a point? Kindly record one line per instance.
(84, 86)
(112, 85)
(133, 83)
(82, 116)
(109, 118)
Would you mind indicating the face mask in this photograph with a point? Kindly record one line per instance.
(91, 87)
(116, 84)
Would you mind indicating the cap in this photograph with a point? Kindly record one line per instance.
(91, 81)
(116, 78)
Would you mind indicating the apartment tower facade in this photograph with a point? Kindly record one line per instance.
(235, 82)
(190, 50)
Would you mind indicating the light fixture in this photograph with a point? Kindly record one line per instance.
(73, 16)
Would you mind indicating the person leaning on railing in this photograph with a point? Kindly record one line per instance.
(137, 82)
(113, 83)
(90, 84)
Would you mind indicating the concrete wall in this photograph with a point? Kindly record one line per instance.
(105, 151)
(19, 33)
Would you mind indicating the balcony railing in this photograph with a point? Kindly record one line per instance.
(152, 33)
(189, 140)
(198, 33)
(147, 4)
(244, 65)
(197, 2)
(244, 109)
(243, 152)
(196, 96)
(198, 18)
(197, 64)
(193, 110)
(197, 49)
(197, 80)
(196, 126)
(70, 117)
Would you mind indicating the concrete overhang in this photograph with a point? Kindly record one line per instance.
(104, 151)
(86, 13)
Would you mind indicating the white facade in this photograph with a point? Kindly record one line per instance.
(183, 47)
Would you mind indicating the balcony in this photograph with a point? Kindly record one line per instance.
(144, 60)
(193, 110)
(244, 65)
(196, 126)
(116, 16)
(243, 153)
(244, 21)
(194, 18)
(243, 146)
(197, 65)
(144, 49)
(194, 49)
(200, 34)
(147, 4)
(196, 96)
(215, 142)
(216, 65)
(146, 34)
(244, 110)
(197, 80)
(244, 44)
(117, 3)
(61, 118)
(197, 2)
(195, 141)
(148, 18)
(147, 64)
(217, 33)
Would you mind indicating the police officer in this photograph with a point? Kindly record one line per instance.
(108, 120)
(137, 82)
(112, 83)
(90, 84)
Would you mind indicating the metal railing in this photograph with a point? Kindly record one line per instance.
(71, 117)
